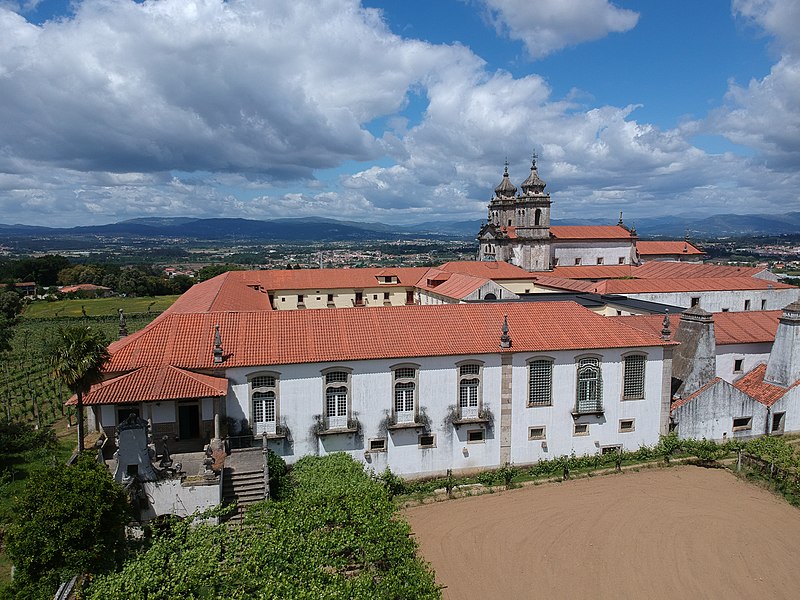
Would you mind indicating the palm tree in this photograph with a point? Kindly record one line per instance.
(76, 357)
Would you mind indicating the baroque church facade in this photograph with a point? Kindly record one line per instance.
(518, 231)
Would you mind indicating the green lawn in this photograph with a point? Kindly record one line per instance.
(98, 307)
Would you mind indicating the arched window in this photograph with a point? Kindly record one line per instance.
(264, 399)
(337, 398)
(589, 386)
(405, 393)
(469, 390)
(537, 217)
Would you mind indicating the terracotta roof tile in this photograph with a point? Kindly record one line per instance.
(454, 285)
(681, 401)
(646, 248)
(594, 272)
(707, 284)
(753, 385)
(748, 327)
(656, 269)
(562, 283)
(154, 383)
(329, 335)
(590, 232)
(495, 270)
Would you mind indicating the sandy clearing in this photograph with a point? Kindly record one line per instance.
(683, 532)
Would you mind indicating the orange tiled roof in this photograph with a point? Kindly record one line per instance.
(594, 272)
(706, 284)
(667, 247)
(317, 279)
(82, 287)
(748, 327)
(590, 232)
(454, 285)
(753, 385)
(154, 383)
(675, 270)
(327, 335)
(681, 401)
(562, 283)
(495, 270)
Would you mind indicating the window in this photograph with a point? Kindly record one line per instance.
(330, 298)
(474, 436)
(264, 398)
(578, 261)
(427, 440)
(633, 376)
(405, 385)
(123, 412)
(778, 420)
(726, 310)
(469, 390)
(377, 445)
(599, 260)
(337, 398)
(555, 262)
(540, 382)
(537, 433)
(359, 299)
(747, 304)
(589, 386)
(616, 449)
(537, 217)
(627, 425)
(737, 365)
(695, 301)
(742, 423)
(621, 260)
(580, 429)
(763, 305)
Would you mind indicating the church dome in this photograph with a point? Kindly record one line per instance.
(506, 189)
(534, 183)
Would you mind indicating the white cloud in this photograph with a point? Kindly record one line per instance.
(545, 26)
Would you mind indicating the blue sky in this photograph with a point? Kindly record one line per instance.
(395, 111)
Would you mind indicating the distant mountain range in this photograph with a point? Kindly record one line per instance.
(321, 229)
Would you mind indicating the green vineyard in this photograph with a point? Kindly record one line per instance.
(29, 394)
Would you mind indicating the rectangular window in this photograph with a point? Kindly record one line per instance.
(404, 373)
(377, 445)
(621, 260)
(627, 425)
(427, 440)
(540, 390)
(578, 261)
(589, 386)
(580, 429)
(633, 377)
(726, 310)
(599, 260)
(299, 299)
(737, 365)
(263, 381)
(777, 422)
(742, 423)
(469, 384)
(474, 436)
(695, 301)
(359, 298)
(611, 449)
(337, 399)
(330, 298)
(336, 377)
(747, 304)
(537, 433)
(763, 305)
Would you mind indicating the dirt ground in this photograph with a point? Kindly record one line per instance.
(682, 532)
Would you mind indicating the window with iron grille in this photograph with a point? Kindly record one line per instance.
(336, 377)
(469, 390)
(336, 401)
(404, 397)
(337, 398)
(540, 382)
(262, 381)
(633, 377)
(264, 400)
(405, 373)
(470, 369)
(590, 386)
(263, 407)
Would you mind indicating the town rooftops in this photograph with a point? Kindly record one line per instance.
(495, 270)
(323, 335)
(705, 284)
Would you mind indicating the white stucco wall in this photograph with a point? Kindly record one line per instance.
(171, 497)
(751, 355)
(590, 250)
(733, 300)
(301, 398)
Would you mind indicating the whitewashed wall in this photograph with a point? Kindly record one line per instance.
(590, 251)
(751, 356)
(733, 300)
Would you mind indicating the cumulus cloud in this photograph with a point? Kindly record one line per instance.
(549, 25)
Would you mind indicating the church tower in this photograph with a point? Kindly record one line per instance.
(518, 226)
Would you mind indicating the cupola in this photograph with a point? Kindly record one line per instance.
(506, 189)
(533, 184)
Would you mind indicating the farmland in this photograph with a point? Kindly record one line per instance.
(98, 307)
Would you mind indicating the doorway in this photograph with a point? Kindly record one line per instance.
(188, 421)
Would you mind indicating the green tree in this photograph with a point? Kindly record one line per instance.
(76, 357)
(10, 304)
(67, 520)
(210, 271)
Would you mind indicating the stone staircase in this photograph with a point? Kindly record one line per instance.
(244, 488)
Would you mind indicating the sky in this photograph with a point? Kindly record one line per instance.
(395, 111)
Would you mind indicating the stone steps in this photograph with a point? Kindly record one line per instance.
(244, 488)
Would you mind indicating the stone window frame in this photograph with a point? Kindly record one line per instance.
(583, 365)
(432, 436)
(400, 378)
(627, 425)
(335, 385)
(256, 387)
(537, 436)
(529, 363)
(479, 433)
(627, 373)
(463, 377)
(580, 429)
(745, 423)
(379, 444)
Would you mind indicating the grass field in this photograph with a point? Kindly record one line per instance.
(99, 307)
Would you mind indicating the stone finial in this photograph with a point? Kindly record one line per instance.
(621, 223)
(123, 326)
(633, 230)
(217, 346)
(665, 331)
(505, 339)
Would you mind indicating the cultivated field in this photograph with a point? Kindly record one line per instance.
(681, 532)
(98, 307)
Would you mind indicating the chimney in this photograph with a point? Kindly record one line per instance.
(217, 346)
(783, 365)
(665, 331)
(694, 363)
